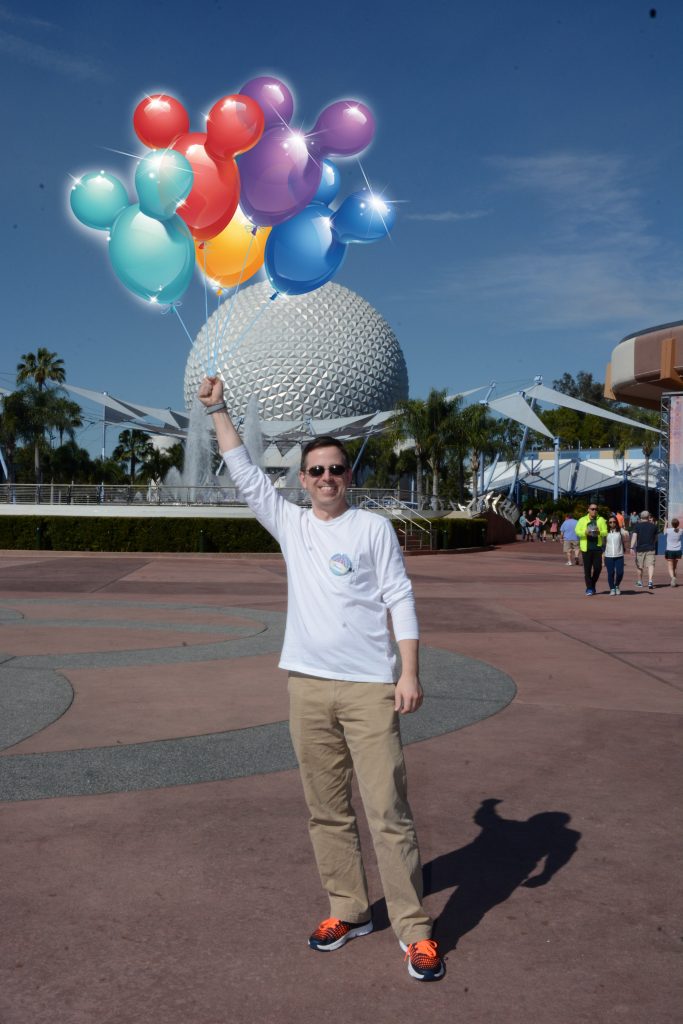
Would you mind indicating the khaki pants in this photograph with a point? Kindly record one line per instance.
(338, 727)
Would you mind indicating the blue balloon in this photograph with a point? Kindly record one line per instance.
(97, 199)
(329, 184)
(154, 258)
(302, 253)
(363, 217)
(163, 179)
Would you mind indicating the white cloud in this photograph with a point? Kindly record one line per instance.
(19, 19)
(447, 216)
(580, 254)
(50, 59)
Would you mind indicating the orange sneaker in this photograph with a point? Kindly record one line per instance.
(424, 962)
(333, 933)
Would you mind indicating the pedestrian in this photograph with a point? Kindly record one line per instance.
(633, 519)
(345, 574)
(542, 520)
(570, 542)
(616, 546)
(591, 530)
(673, 550)
(621, 520)
(524, 526)
(644, 545)
(554, 527)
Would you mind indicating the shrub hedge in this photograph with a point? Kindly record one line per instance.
(76, 533)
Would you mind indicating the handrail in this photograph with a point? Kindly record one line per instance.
(162, 494)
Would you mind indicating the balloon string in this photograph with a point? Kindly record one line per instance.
(240, 338)
(228, 317)
(206, 296)
(175, 310)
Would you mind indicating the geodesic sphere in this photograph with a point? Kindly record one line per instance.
(324, 355)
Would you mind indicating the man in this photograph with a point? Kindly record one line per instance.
(345, 571)
(570, 542)
(591, 530)
(644, 544)
(524, 525)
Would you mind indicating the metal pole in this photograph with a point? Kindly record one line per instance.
(522, 444)
(104, 430)
(485, 401)
(556, 469)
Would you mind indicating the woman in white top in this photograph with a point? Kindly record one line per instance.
(673, 536)
(616, 546)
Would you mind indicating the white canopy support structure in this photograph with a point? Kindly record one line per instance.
(551, 397)
(515, 408)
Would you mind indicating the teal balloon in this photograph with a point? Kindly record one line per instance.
(97, 199)
(154, 258)
(163, 179)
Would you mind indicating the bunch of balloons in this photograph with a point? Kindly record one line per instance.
(249, 191)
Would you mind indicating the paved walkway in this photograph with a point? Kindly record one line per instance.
(154, 857)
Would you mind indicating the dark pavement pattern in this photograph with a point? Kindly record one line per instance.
(153, 844)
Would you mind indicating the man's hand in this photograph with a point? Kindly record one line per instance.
(210, 391)
(409, 695)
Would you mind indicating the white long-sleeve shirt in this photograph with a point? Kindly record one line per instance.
(343, 576)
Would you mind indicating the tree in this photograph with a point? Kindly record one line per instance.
(433, 427)
(410, 424)
(67, 417)
(40, 367)
(134, 447)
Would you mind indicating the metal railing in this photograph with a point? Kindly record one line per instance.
(412, 523)
(146, 495)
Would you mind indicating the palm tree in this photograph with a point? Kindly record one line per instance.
(154, 467)
(134, 447)
(66, 418)
(13, 421)
(411, 425)
(40, 367)
(446, 423)
(433, 426)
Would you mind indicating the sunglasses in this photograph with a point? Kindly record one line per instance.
(592, 508)
(335, 470)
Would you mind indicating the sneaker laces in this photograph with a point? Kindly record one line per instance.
(330, 926)
(423, 954)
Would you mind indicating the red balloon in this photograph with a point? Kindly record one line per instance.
(234, 125)
(159, 120)
(215, 190)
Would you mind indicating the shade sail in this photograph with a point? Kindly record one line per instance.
(552, 397)
(515, 408)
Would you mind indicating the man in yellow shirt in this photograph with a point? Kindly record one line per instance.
(591, 530)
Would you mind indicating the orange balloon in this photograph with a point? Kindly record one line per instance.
(234, 255)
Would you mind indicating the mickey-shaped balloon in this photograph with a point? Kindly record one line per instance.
(281, 174)
(234, 125)
(150, 248)
(305, 252)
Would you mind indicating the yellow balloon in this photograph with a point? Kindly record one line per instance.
(234, 255)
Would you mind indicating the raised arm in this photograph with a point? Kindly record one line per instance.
(210, 394)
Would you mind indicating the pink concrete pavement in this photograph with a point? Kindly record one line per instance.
(193, 903)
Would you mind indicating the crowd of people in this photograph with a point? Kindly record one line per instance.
(598, 541)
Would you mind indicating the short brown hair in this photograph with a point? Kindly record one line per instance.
(324, 441)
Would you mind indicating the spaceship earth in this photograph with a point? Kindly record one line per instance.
(325, 355)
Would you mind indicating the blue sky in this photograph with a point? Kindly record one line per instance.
(535, 144)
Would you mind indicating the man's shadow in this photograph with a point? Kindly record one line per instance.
(488, 870)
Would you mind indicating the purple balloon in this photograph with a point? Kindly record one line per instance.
(274, 98)
(278, 177)
(342, 129)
